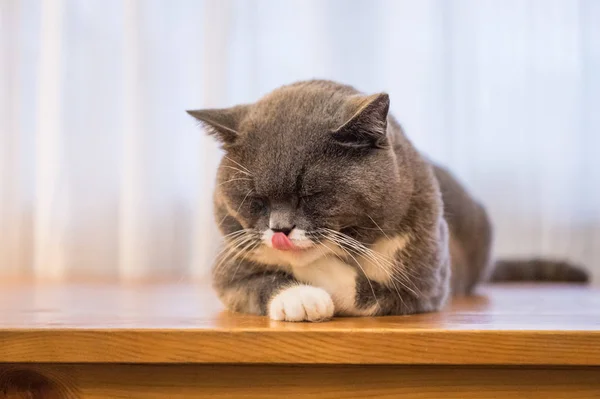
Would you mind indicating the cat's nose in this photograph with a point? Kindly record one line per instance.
(283, 229)
(281, 219)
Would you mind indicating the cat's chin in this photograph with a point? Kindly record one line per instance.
(295, 250)
(298, 257)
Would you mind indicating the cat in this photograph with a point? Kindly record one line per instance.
(326, 209)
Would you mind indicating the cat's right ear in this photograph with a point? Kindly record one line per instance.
(223, 123)
(366, 126)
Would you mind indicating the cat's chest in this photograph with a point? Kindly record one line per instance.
(336, 277)
(339, 278)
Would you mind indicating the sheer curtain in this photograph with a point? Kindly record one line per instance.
(103, 175)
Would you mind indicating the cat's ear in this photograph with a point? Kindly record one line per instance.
(222, 123)
(366, 123)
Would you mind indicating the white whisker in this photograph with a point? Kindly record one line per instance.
(380, 229)
(242, 251)
(376, 258)
(238, 164)
(235, 179)
(232, 250)
(238, 170)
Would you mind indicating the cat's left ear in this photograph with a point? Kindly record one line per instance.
(222, 123)
(366, 125)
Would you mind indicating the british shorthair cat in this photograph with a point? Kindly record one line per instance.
(326, 208)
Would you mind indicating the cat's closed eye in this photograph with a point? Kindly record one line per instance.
(308, 197)
(258, 204)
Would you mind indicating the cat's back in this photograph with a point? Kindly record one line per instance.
(470, 232)
(470, 228)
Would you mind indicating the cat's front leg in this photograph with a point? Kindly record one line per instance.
(423, 289)
(395, 298)
(247, 287)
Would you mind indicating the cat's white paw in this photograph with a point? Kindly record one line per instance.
(301, 303)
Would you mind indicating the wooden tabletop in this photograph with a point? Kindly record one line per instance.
(184, 323)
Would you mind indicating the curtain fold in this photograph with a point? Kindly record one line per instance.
(103, 175)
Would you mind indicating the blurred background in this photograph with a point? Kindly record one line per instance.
(103, 175)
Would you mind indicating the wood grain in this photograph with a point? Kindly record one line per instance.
(309, 382)
(184, 323)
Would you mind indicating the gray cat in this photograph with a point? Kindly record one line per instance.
(327, 209)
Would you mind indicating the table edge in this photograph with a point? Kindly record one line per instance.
(251, 346)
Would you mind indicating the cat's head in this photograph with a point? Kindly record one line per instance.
(312, 161)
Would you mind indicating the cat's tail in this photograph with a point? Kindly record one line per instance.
(538, 270)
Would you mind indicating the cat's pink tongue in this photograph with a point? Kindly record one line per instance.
(282, 242)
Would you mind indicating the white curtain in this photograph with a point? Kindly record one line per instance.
(103, 175)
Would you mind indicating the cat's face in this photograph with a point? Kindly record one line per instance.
(311, 166)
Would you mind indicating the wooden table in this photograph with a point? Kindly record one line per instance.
(176, 341)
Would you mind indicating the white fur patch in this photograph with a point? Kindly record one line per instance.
(338, 279)
(301, 303)
(380, 267)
